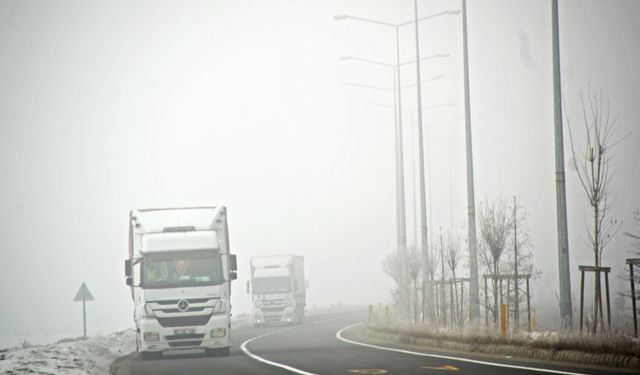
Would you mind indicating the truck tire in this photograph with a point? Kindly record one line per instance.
(146, 356)
(218, 352)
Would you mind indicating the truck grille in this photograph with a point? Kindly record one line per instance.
(175, 301)
(272, 309)
(190, 309)
(184, 321)
(190, 336)
(185, 343)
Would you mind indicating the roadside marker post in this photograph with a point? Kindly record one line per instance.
(84, 295)
(503, 319)
(386, 314)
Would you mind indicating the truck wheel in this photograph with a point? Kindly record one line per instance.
(145, 356)
(218, 352)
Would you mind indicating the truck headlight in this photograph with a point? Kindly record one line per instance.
(218, 332)
(151, 336)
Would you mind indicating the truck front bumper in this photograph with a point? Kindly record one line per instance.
(153, 337)
(286, 315)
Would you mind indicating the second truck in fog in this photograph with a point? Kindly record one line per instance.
(278, 289)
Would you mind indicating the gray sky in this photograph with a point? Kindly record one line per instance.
(109, 106)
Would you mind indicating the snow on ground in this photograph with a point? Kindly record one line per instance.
(93, 355)
(89, 356)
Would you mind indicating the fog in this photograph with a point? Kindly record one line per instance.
(111, 106)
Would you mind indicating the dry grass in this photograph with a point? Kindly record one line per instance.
(605, 343)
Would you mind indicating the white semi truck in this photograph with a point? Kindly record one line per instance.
(278, 289)
(180, 272)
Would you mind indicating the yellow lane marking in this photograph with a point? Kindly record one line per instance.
(369, 371)
(441, 368)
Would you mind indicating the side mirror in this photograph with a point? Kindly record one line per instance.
(127, 268)
(234, 263)
(233, 275)
(248, 286)
(129, 280)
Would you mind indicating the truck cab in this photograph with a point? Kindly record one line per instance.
(180, 270)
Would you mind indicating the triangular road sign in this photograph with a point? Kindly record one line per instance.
(83, 294)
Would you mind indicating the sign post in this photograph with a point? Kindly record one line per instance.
(84, 295)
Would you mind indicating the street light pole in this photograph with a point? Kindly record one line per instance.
(400, 199)
(561, 194)
(423, 202)
(402, 224)
(399, 138)
(474, 288)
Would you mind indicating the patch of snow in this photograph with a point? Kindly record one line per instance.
(78, 356)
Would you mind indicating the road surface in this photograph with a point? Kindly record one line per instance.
(333, 344)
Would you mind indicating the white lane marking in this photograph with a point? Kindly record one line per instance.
(272, 363)
(460, 359)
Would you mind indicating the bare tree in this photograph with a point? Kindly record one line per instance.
(443, 304)
(394, 265)
(593, 162)
(413, 267)
(494, 233)
(635, 237)
(453, 257)
(520, 260)
(428, 287)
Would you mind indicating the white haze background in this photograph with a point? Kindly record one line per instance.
(109, 106)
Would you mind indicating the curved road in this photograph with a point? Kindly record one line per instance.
(332, 344)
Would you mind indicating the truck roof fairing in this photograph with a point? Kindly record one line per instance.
(146, 221)
(157, 242)
(271, 272)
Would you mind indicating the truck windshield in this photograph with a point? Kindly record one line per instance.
(264, 285)
(181, 269)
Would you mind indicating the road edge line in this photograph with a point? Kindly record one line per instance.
(460, 359)
(246, 351)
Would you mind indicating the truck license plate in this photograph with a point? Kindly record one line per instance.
(184, 331)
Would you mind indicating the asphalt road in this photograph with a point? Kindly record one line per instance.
(315, 348)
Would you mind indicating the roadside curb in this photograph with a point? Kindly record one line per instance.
(117, 367)
(519, 351)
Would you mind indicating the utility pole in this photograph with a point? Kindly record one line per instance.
(474, 288)
(423, 202)
(564, 276)
(515, 257)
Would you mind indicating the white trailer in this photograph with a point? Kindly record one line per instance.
(180, 271)
(278, 289)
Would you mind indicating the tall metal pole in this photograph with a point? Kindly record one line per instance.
(515, 262)
(561, 194)
(400, 204)
(402, 225)
(423, 202)
(474, 288)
